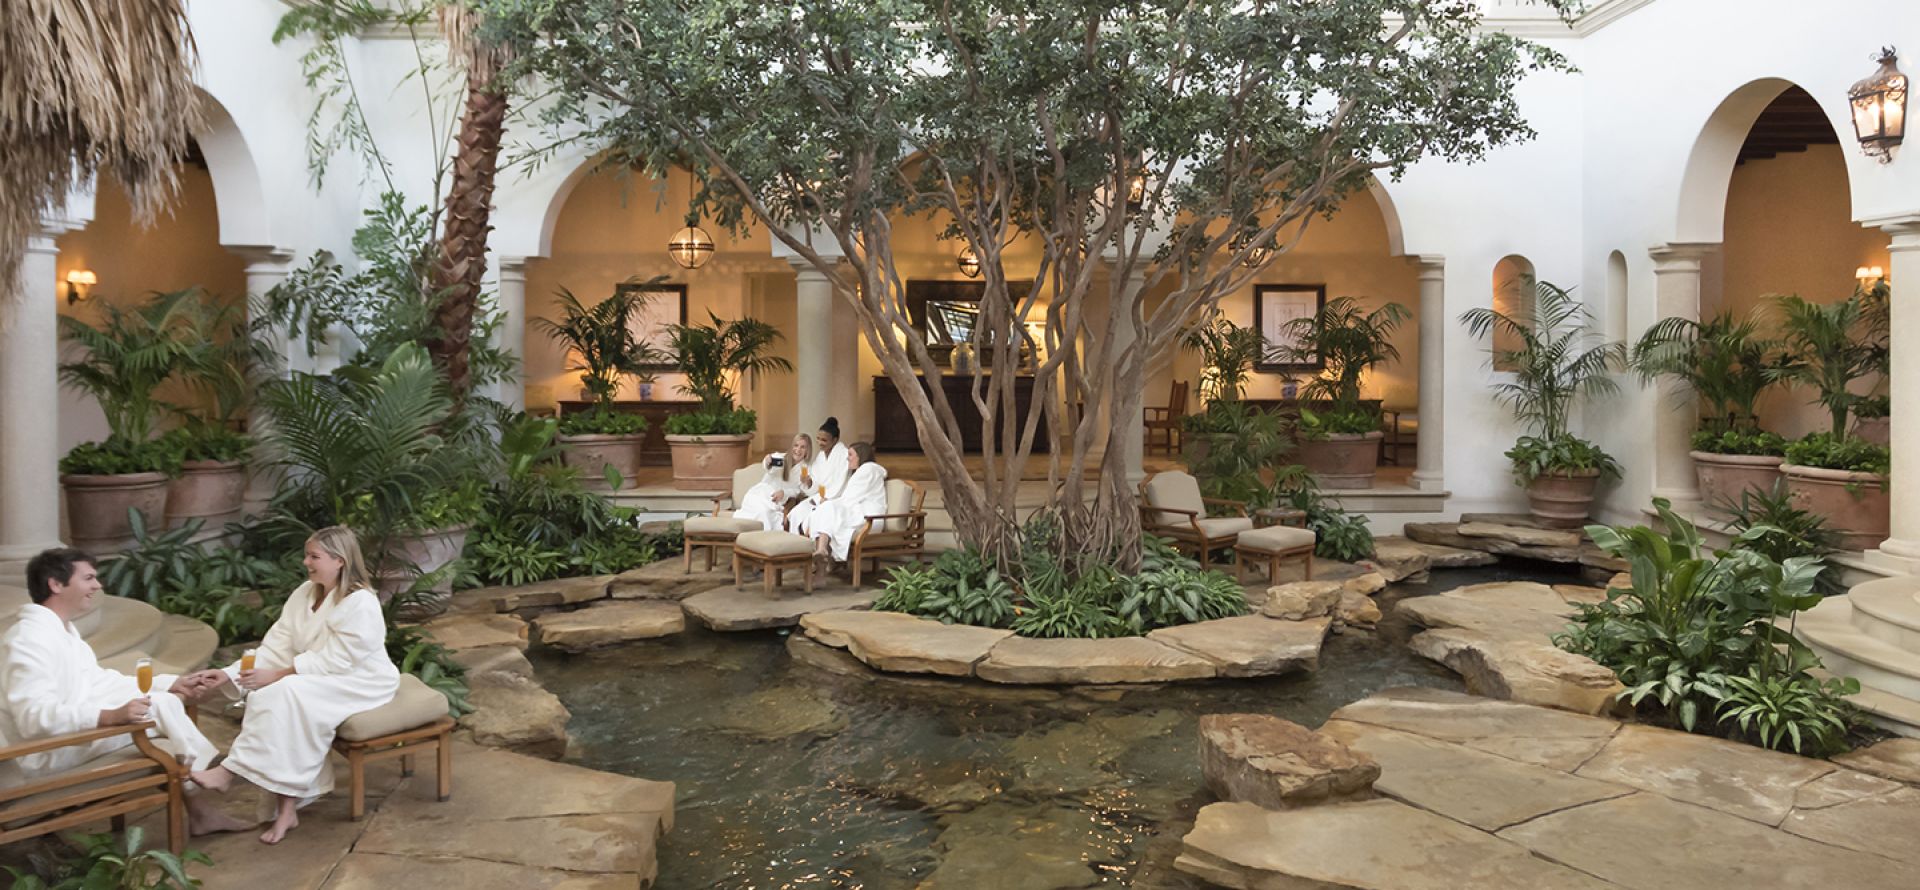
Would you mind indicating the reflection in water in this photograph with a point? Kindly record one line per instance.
(809, 773)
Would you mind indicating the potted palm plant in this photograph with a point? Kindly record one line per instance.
(605, 444)
(211, 440)
(121, 363)
(1558, 360)
(1726, 364)
(709, 444)
(1229, 352)
(1832, 473)
(1340, 439)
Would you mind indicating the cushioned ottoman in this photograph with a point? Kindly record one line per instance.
(774, 553)
(1272, 546)
(415, 720)
(712, 533)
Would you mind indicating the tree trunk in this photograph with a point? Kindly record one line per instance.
(462, 263)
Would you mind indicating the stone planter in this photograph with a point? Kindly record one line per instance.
(1562, 500)
(1345, 461)
(1873, 429)
(1724, 476)
(211, 491)
(97, 508)
(706, 463)
(413, 554)
(592, 454)
(1196, 446)
(1855, 505)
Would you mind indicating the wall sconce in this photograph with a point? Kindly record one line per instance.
(1867, 275)
(79, 283)
(1880, 108)
(969, 263)
(691, 247)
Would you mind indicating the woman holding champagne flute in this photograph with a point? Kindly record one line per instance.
(325, 660)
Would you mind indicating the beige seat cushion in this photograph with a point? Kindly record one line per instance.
(899, 500)
(111, 757)
(1277, 538)
(767, 543)
(413, 706)
(718, 525)
(1177, 490)
(1225, 526)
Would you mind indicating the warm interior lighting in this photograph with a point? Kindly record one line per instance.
(691, 247)
(969, 263)
(1137, 191)
(1880, 108)
(1867, 275)
(79, 283)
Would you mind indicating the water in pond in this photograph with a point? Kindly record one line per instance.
(797, 773)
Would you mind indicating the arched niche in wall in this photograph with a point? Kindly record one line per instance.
(1512, 296)
(1615, 311)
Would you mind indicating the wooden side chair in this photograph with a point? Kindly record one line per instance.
(138, 777)
(717, 532)
(901, 531)
(415, 721)
(1171, 507)
(1167, 419)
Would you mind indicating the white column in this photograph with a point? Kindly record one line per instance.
(267, 267)
(1676, 272)
(813, 339)
(29, 400)
(1133, 445)
(1901, 550)
(1428, 474)
(513, 328)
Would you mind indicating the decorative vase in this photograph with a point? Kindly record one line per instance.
(706, 463)
(1563, 499)
(646, 391)
(413, 554)
(1344, 460)
(963, 359)
(1855, 505)
(592, 454)
(211, 491)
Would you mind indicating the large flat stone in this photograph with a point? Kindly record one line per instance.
(1883, 824)
(478, 630)
(1519, 534)
(667, 580)
(1483, 790)
(1522, 670)
(1375, 844)
(506, 786)
(1250, 645)
(517, 714)
(547, 594)
(493, 660)
(610, 623)
(1543, 736)
(1447, 534)
(597, 843)
(891, 641)
(1648, 842)
(1274, 763)
(1492, 620)
(1399, 558)
(1896, 759)
(1740, 780)
(1119, 660)
(752, 609)
(376, 871)
(1841, 786)
(1514, 596)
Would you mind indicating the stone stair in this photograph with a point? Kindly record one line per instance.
(122, 631)
(1873, 635)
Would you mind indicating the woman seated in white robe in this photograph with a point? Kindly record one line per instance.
(837, 519)
(766, 501)
(829, 471)
(325, 660)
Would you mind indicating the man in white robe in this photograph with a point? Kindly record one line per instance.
(51, 684)
(836, 520)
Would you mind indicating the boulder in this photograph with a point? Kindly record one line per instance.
(1522, 670)
(1117, 660)
(1444, 611)
(477, 630)
(1526, 537)
(891, 641)
(1447, 534)
(517, 714)
(1514, 595)
(1275, 763)
(548, 594)
(1301, 600)
(610, 623)
(1397, 558)
(730, 608)
(665, 580)
(1357, 610)
(1250, 645)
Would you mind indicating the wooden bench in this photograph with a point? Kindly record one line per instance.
(109, 786)
(415, 721)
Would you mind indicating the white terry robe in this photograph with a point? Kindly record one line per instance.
(760, 505)
(840, 518)
(341, 668)
(829, 475)
(53, 685)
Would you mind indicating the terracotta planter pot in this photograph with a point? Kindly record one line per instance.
(1855, 504)
(97, 508)
(1877, 430)
(211, 491)
(706, 463)
(1342, 461)
(411, 555)
(1724, 476)
(1195, 447)
(1563, 500)
(592, 454)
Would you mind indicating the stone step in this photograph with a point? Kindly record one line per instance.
(1848, 652)
(120, 625)
(1893, 713)
(1888, 609)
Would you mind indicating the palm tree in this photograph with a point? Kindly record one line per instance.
(1722, 360)
(601, 339)
(87, 86)
(128, 355)
(1557, 359)
(1350, 340)
(708, 353)
(1831, 346)
(1230, 351)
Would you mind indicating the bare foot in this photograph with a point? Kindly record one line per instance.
(216, 779)
(207, 820)
(288, 820)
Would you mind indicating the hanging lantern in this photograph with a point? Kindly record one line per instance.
(691, 247)
(969, 262)
(1137, 191)
(1880, 108)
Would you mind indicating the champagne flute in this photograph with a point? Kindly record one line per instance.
(143, 674)
(246, 664)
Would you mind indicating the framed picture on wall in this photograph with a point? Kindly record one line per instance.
(1274, 305)
(661, 305)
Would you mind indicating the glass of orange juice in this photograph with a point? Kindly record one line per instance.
(143, 674)
(246, 659)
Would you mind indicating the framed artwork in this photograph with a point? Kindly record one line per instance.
(661, 305)
(1274, 305)
(946, 313)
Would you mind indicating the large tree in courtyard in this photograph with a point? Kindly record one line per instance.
(1142, 147)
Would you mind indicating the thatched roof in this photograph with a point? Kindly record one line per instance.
(88, 86)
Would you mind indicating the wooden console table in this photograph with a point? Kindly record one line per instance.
(653, 450)
(895, 430)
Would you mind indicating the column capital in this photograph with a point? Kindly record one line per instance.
(1680, 256)
(1432, 265)
(1904, 227)
(262, 257)
(805, 270)
(513, 268)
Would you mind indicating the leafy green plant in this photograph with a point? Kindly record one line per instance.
(1873, 407)
(737, 422)
(208, 442)
(1350, 340)
(1559, 359)
(1725, 362)
(1231, 446)
(127, 356)
(709, 354)
(907, 589)
(1534, 457)
(1739, 441)
(602, 345)
(117, 456)
(414, 651)
(1337, 421)
(1790, 710)
(1830, 452)
(1179, 595)
(600, 421)
(1770, 523)
(1228, 352)
(1159, 554)
(449, 506)
(983, 602)
(1830, 346)
(232, 590)
(108, 862)
(1083, 610)
(1339, 535)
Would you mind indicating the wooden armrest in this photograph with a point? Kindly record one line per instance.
(85, 736)
(1239, 506)
(896, 515)
(722, 501)
(1155, 509)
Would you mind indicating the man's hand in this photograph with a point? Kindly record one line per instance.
(134, 711)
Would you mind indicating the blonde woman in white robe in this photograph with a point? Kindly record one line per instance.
(325, 660)
(835, 522)
(829, 474)
(766, 501)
